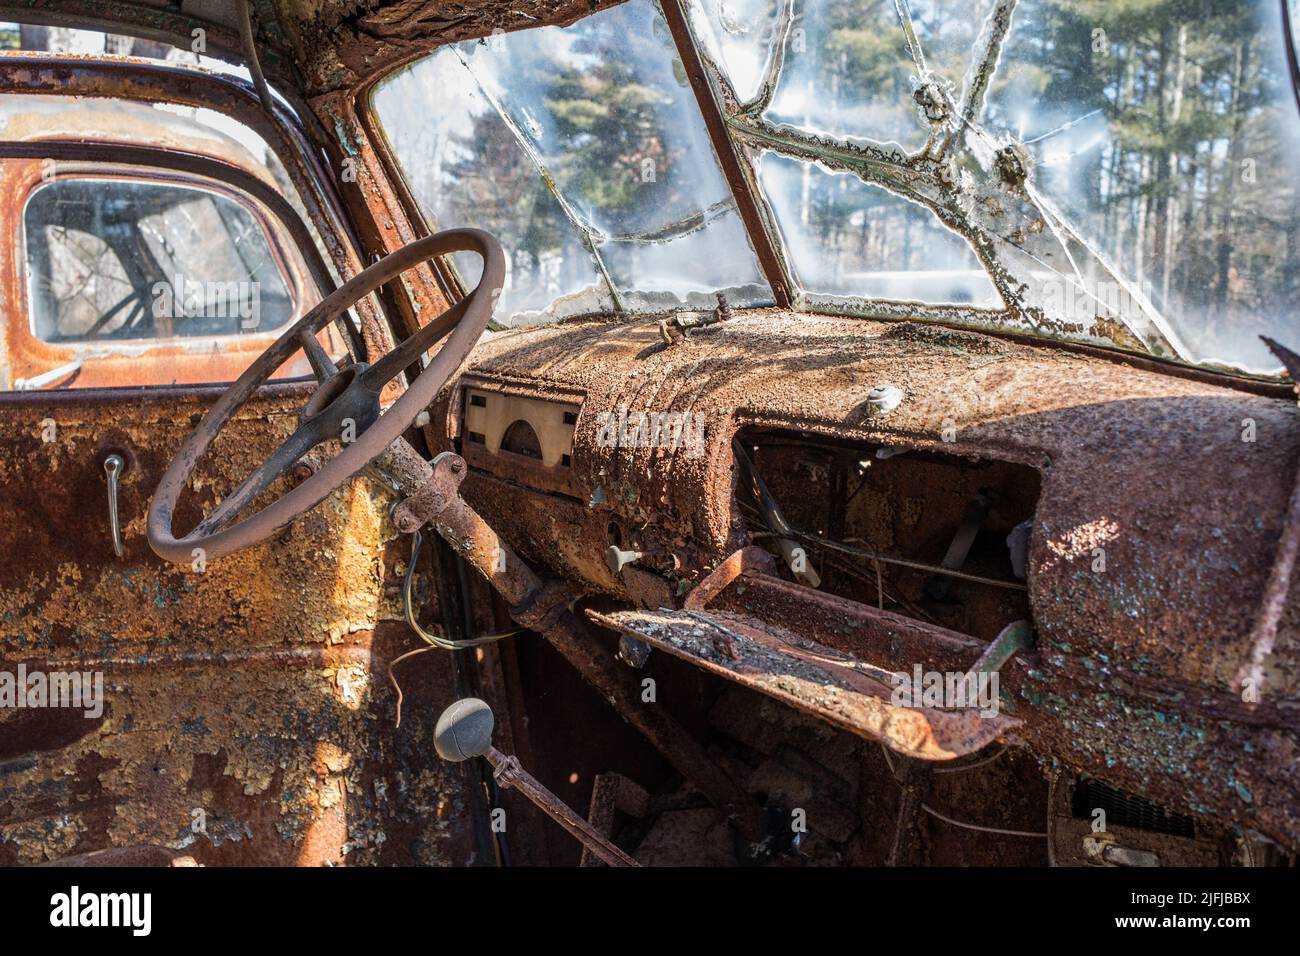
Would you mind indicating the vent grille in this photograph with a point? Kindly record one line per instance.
(1126, 810)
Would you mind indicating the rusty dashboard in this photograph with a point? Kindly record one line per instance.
(1115, 509)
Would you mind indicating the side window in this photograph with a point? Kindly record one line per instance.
(111, 260)
(127, 274)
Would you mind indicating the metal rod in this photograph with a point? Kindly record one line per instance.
(509, 773)
(909, 563)
(769, 258)
(250, 54)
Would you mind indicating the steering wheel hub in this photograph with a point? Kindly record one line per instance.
(345, 405)
(343, 399)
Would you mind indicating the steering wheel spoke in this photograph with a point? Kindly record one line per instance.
(410, 351)
(345, 405)
(304, 438)
(321, 364)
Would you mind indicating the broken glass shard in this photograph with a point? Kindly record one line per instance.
(849, 70)
(686, 271)
(1166, 140)
(848, 238)
(737, 36)
(465, 168)
(572, 145)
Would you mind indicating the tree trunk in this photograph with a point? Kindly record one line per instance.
(1227, 222)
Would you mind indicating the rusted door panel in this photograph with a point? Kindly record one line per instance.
(247, 716)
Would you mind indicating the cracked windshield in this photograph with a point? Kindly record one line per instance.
(584, 151)
(1108, 171)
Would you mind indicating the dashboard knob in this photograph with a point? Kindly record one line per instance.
(617, 558)
(883, 399)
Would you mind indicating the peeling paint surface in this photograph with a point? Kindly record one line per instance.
(247, 713)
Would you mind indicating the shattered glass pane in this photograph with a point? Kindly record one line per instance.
(849, 70)
(848, 238)
(1167, 139)
(686, 271)
(465, 168)
(1124, 168)
(573, 144)
(737, 35)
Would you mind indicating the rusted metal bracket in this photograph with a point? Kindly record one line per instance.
(442, 486)
(612, 793)
(752, 558)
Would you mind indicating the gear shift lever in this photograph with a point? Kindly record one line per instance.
(465, 730)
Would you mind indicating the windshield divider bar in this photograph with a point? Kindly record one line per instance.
(769, 258)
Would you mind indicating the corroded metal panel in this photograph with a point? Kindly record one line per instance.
(1134, 682)
(247, 716)
(835, 687)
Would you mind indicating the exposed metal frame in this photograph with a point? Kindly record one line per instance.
(201, 166)
(770, 259)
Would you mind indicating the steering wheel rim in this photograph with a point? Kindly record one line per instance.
(350, 387)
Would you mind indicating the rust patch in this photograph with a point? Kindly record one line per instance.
(1155, 464)
(246, 716)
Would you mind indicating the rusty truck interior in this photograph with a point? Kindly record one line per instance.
(661, 433)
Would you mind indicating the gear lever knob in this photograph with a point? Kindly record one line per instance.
(464, 730)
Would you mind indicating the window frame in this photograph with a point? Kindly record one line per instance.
(127, 363)
(294, 279)
(330, 224)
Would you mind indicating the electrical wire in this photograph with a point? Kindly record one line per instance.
(874, 556)
(393, 680)
(971, 766)
(437, 640)
(959, 823)
(981, 829)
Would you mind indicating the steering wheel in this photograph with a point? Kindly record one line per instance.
(346, 399)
